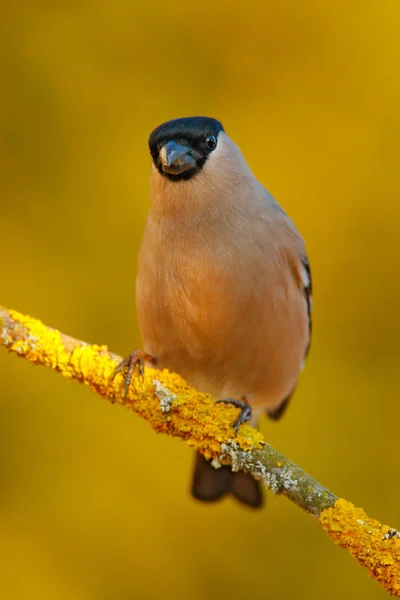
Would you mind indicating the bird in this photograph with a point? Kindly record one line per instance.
(223, 289)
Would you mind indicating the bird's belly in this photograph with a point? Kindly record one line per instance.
(224, 343)
(189, 332)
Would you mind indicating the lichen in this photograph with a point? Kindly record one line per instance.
(197, 419)
(367, 540)
(3, 333)
(165, 397)
(245, 460)
(208, 427)
(288, 479)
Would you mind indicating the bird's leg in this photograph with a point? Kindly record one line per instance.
(245, 410)
(128, 364)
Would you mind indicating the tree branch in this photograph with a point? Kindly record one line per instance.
(170, 406)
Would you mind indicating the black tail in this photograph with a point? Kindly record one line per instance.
(211, 484)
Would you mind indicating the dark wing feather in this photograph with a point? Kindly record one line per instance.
(307, 289)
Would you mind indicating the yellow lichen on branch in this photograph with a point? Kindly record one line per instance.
(376, 547)
(171, 406)
(196, 418)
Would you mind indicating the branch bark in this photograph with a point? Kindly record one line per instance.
(167, 402)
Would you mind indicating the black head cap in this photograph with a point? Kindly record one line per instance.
(180, 147)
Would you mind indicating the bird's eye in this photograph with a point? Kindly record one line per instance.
(211, 142)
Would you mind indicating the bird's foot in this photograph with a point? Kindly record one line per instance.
(128, 365)
(245, 411)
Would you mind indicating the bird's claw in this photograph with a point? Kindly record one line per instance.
(245, 411)
(128, 365)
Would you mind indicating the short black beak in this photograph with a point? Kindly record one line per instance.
(176, 158)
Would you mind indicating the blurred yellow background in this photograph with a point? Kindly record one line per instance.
(311, 93)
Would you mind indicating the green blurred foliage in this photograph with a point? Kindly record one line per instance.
(93, 504)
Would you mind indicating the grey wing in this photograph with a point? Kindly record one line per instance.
(276, 414)
(306, 274)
